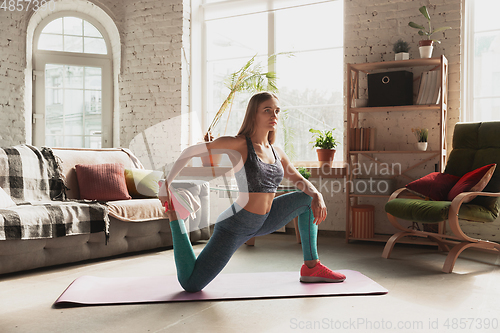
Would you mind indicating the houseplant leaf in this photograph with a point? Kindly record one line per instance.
(424, 12)
(440, 29)
(416, 26)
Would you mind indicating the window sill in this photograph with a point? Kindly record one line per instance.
(338, 170)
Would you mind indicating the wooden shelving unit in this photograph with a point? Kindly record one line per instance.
(352, 156)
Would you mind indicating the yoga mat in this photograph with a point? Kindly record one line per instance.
(91, 290)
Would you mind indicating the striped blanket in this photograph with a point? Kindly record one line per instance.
(33, 179)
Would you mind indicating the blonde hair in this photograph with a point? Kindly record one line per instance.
(248, 126)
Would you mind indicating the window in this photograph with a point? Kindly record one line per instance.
(308, 38)
(72, 34)
(73, 103)
(482, 68)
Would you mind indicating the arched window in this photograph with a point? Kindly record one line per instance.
(73, 83)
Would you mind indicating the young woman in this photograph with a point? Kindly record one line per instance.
(259, 168)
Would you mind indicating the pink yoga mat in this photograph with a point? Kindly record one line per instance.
(91, 290)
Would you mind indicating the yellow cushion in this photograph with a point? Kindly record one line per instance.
(142, 183)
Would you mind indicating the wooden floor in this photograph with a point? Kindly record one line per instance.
(421, 298)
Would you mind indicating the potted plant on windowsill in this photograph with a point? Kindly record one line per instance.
(421, 134)
(250, 78)
(325, 144)
(426, 46)
(304, 172)
(401, 50)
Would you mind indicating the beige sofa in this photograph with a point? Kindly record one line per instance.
(129, 231)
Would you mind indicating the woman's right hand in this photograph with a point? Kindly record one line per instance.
(164, 196)
(163, 192)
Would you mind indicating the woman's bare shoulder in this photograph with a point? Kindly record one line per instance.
(280, 152)
(227, 142)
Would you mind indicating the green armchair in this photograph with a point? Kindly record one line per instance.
(474, 145)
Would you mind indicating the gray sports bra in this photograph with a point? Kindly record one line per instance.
(257, 176)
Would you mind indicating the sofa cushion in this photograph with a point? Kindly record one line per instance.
(69, 157)
(5, 199)
(434, 186)
(142, 183)
(102, 182)
(52, 220)
(476, 145)
(435, 211)
(474, 181)
(137, 210)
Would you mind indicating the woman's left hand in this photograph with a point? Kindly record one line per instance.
(319, 208)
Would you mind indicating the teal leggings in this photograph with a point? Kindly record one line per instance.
(233, 228)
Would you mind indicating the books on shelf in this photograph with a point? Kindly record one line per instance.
(429, 88)
(421, 88)
(362, 138)
(437, 89)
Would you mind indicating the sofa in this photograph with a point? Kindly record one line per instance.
(81, 229)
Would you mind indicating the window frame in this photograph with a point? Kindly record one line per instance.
(104, 61)
(467, 91)
(199, 79)
(467, 68)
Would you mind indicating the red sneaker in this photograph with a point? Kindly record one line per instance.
(319, 273)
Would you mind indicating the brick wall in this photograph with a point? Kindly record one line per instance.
(12, 65)
(153, 85)
(372, 26)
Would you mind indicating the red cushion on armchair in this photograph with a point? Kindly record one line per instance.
(435, 185)
(102, 182)
(474, 181)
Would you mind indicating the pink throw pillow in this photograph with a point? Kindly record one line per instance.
(102, 182)
(474, 181)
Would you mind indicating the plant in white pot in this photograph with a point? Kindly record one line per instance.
(421, 134)
(325, 144)
(401, 50)
(426, 46)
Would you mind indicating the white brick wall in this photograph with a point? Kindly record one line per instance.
(12, 65)
(152, 86)
(372, 26)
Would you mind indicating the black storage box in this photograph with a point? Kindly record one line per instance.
(390, 88)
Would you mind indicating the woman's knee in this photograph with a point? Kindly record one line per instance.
(190, 287)
(299, 198)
